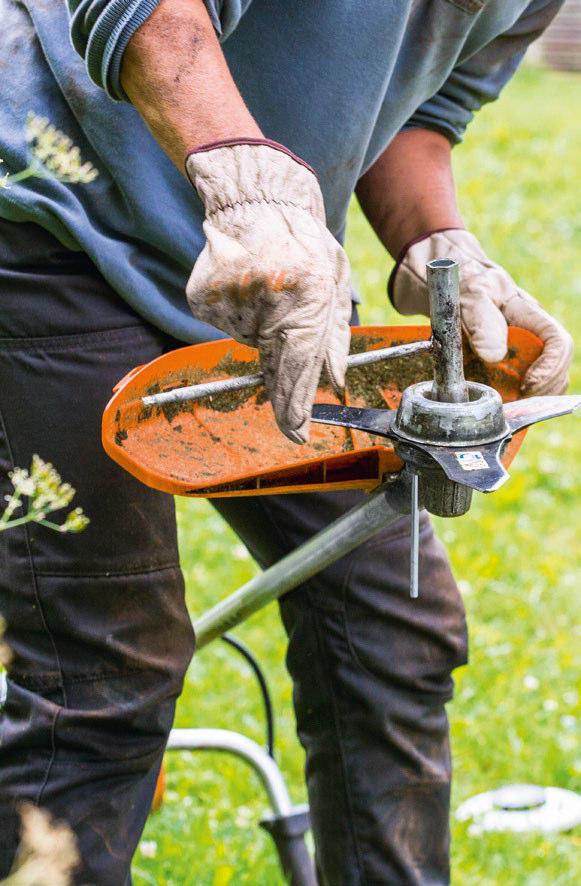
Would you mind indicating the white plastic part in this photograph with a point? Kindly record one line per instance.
(522, 808)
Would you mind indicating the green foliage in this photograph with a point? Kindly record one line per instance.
(516, 556)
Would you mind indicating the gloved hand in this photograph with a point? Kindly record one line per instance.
(271, 274)
(490, 301)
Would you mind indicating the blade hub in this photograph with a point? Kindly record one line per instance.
(439, 495)
(480, 419)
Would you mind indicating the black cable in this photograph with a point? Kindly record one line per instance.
(268, 712)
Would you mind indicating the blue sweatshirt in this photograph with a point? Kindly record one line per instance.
(333, 80)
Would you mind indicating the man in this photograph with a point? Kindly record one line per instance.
(280, 111)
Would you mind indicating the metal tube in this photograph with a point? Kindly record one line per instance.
(198, 392)
(212, 388)
(240, 746)
(415, 539)
(376, 512)
(380, 354)
(444, 290)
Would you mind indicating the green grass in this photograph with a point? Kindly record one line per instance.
(516, 556)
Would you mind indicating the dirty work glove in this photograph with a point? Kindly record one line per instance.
(489, 301)
(271, 274)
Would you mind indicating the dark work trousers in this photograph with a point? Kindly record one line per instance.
(101, 637)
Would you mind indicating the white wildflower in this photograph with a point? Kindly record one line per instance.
(48, 852)
(530, 682)
(4, 178)
(50, 493)
(46, 492)
(148, 848)
(5, 653)
(22, 481)
(54, 153)
(75, 521)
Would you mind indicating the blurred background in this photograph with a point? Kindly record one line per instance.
(516, 555)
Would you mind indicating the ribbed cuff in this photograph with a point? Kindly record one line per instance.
(108, 41)
(448, 132)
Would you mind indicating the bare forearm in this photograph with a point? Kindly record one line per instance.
(176, 76)
(410, 189)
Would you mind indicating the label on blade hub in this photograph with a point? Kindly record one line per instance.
(471, 461)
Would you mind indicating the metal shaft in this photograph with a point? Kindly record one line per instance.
(444, 289)
(415, 539)
(376, 512)
(197, 392)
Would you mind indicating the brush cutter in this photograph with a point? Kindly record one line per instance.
(422, 423)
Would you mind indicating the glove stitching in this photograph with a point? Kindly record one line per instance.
(268, 201)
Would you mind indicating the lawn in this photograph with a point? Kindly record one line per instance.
(516, 556)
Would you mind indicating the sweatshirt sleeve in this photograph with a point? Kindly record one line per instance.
(101, 30)
(481, 78)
